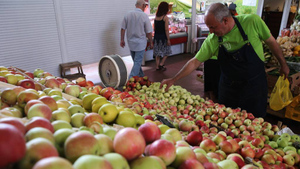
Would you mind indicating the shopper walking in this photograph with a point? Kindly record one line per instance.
(162, 44)
(237, 41)
(138, 28)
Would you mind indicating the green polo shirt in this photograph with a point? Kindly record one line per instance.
(254, 27)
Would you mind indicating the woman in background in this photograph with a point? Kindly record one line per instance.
(162, 44)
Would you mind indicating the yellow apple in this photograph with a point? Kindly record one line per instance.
(98, 102)
(108, 112)
(126, 119)
(88, 99)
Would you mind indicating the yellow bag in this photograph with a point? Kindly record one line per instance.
(293, 109)
(281, 95)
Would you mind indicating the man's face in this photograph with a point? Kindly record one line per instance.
(215, 26)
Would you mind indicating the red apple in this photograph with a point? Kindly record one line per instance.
(29, 74)
(247, 152)
(52, 83)
(191, 164)
(31, 103)
(39, 110)
(210, 165)
(130, 143)
(150, 132)
(39, 122)
(194, 138)
(163, 149)
(27, 83)
(235, 145)
(185, 125)
(258, 153)
(218, 138)
(226, 146)
(237, 158)
(89, 84)
(208, 145)
(12, 145)
(50, 102)
(16, 122)
(3, 79)
(183, 154)
(92, 117)
(81, 81)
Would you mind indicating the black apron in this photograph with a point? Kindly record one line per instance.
(243, 81)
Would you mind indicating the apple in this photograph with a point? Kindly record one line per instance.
(39, 122)
(52, 83)
(37, 71)
(258, 153)
(218, 138)
(140, 120)
(257, 142)
(36, 150)
(146, 162)
(49, 101)
(53, 163)
(214, 156)
(237, 158)
(105, 144)
(11, 79)
(108, 112)
(31, 103)
(81, 81)
(150, 132)
(129, 142)
(80, 143)
(247, 122)
(77, 120)
(54, 92)
(249, 166)
(268, 158)
(208, 145)
(226, 146)
(117, 161)
(61, 114)
(126, 118)
(27, 83)
(39, 110)
(228, 164)
(211, 165)
(163, 149)
(98, 102)
(16, 122)
(247, 152)
(92, 117)
(24, 96)
(183, 154)
(92, 161)
(282, 142)
(9, 96)
(3, 79)
(174, 133)
(60, 137)
(185, 125)
(60, 124)
(39, 132)
(191, 164)
(12, 145)
(73, 90)
(194, 138)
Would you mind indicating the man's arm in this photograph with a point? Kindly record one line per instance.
(122, 42)
(277, 52)
(149, 36)
(188, 68)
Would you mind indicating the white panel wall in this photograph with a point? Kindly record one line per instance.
(28, 35)
(45, 33)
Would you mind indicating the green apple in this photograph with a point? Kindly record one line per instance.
(147, 162)
(228, 164)
(60, 124)
(289, 148)
(55, 92)
(60, 137)
(37, 71)
(273, 144)
(77, 119)
(36, 150)
(139, 120)
(174, 133)
(108, 112)
(183, 154)
(92, 161)
(82, 94)
(282, 142)
(47, 90)
(126, 119)
(105, 144)
(117, 161)
(79, 144)
(19, 77)
(39, 132)
(110, 132)
(85, 128)
(15, 111)
(163, 128)
(295, 137)
(57, 97)
(87, 100)
(275, 137)
(75, 109)
(11, 79)
(98, 102)
(61, 114)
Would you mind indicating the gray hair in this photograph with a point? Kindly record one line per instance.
(140, 3)
(219, 10)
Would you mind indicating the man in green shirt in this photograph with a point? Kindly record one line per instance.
(237, 43)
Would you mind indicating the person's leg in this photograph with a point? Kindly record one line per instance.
(137, 64)
(163, 60)
(157, 60)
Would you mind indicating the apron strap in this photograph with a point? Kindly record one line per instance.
(245, 37)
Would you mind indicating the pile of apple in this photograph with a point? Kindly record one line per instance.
(136, 83)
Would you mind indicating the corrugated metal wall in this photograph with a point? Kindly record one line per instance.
(45, 33)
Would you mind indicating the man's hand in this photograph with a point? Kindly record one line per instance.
(151, 45)
(169, 83)
(285, 70)
(122, 43)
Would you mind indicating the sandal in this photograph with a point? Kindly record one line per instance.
(162, 67)
(159, 68)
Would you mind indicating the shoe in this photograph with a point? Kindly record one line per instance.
(159, 68)
(162, 67)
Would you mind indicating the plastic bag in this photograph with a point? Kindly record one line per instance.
(281, 95)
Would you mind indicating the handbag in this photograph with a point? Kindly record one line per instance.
(281, 95)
